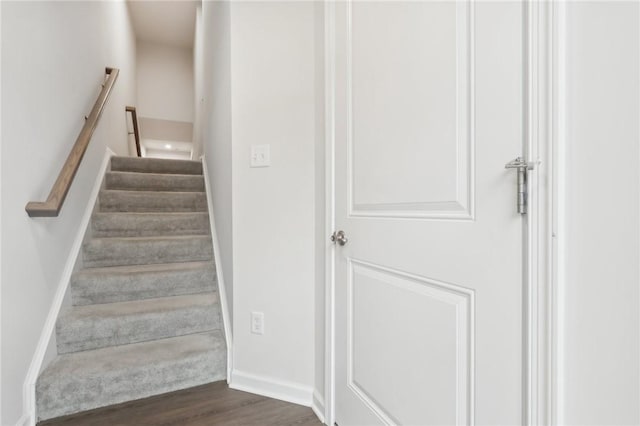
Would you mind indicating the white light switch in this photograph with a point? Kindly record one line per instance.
(260, 156)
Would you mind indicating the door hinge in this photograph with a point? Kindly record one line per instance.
(522, 167)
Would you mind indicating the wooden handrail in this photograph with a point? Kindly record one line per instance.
(52, 206)
(136, 132)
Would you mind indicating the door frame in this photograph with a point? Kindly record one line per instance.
(544, 142)
(541, 144)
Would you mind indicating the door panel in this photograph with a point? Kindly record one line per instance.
(435, 324)
(436, 176)
(428, 109)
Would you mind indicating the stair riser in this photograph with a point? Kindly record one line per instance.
(140, 202)
(154, 182)
(94, 333)
(115, 252)
(152, 165)
(89, 289)
(75, 391)
(149, 225)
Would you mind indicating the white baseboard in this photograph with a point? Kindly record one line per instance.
(272, 388)
(29, 387)
(226, 320)
(317, 405)
(25, 420)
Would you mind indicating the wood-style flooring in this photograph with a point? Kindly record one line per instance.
(211, 404)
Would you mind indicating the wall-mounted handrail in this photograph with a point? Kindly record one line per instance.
(52, 206)
(136, 132)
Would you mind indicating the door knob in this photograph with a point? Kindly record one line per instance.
(339, 237)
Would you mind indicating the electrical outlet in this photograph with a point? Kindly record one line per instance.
(257, 322)
(260, 155)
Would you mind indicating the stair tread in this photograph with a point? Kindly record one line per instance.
(82, 328)
(150, 174)
(139, 307)
(150, 165)
(154, 238)
(133, 355)
(125, 224)
(139, 282)
(117, 251)
(84, 380)
(156, 267)
(151, 193)
(118, 200)
(137, 181)
(146, 214)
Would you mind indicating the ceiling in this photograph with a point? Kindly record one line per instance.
(166, 22)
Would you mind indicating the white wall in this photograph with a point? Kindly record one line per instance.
(198, 82)
(165, 82)
(599, 375)
(321, 239)
(212, 128)
(53, 60)
(257, 86)
(272, 64)
(1, 180)
(170, 155)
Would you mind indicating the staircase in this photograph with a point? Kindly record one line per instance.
(144, 315)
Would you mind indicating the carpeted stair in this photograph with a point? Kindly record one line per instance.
(145, 315)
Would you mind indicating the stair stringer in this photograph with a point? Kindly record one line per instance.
(46, 340)
(221, 283)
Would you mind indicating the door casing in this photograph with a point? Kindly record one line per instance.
(543, 143)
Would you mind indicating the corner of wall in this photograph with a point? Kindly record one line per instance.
(219, 272)
(272, 388)
(1, 215)
(318, 406)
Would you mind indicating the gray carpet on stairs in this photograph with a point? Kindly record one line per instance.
(149, 224)
(138, 282)
(145, 315)
(120, 251)
(152, 201)
(154, 182)
(85, 380)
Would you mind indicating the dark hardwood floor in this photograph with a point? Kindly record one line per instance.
(212, 404)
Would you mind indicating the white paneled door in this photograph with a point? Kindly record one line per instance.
(428, 108)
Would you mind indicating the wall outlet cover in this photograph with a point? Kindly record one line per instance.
(260, 155)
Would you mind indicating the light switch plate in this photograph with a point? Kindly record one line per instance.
(260, 155)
